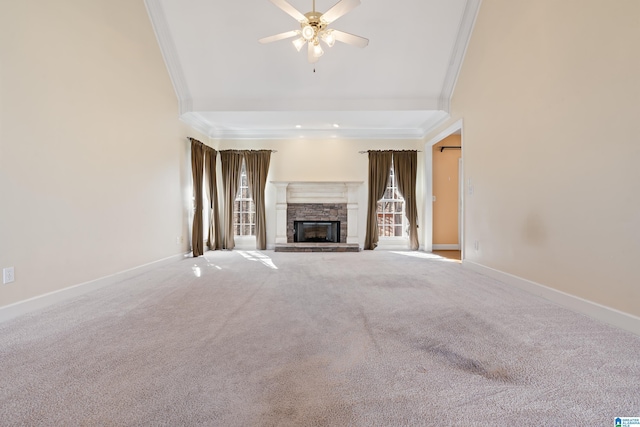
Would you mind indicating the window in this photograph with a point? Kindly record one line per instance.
(391, 210)
(244, 210)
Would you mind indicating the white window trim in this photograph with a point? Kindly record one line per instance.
(395, 242)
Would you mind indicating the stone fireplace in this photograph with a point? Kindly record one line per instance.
(320, 205)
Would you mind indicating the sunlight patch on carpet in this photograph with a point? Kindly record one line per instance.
(424, 255)
(258, 256)
(211, 264)
(196, 271)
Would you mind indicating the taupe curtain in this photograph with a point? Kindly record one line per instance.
(197, 160)
(405, 165)
(257, 164)
(231, 161)
(213, 240)
(379, 167)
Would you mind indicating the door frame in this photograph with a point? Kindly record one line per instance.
(428, 200)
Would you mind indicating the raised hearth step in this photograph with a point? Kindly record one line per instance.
(317, 247)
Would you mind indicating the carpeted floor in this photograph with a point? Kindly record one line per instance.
(312, 339)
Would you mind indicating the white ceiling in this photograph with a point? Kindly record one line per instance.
(230, 86)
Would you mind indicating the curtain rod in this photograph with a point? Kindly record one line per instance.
(417, 151)
(454, 147)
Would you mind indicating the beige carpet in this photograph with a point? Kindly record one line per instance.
(313, 339)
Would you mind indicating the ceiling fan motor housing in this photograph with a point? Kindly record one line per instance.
(314, 22)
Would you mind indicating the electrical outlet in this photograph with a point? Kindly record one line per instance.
(8, 275)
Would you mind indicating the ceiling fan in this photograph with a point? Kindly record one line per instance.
(313, 28)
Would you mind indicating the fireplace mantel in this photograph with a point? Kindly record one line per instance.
(317, 192)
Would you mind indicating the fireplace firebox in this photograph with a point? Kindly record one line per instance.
(316, 231)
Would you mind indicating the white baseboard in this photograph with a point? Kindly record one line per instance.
(446, 247)
(42, 301)
(594, 310)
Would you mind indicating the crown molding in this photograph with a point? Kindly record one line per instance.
(169, 53)
(433, 123)
(200, 124)
(196, 122)
(316, 134)
(281, 104)
(459, 50)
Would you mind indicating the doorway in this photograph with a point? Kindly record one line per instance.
(444, 201)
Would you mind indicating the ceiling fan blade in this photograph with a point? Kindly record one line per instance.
(310, 56)
(351, 39)
(339, 9)
(290, 10)
(280, 36)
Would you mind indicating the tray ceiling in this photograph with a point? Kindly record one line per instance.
(229, 86)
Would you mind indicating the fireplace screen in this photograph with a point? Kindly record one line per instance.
(316, 231)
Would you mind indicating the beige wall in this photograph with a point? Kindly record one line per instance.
(445, 191)
(92, 154)
(549, 93)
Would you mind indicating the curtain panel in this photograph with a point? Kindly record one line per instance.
(197, 160)
(231, 161)
(379, 167)
(257, 166)
(213, 240)
(405, 165)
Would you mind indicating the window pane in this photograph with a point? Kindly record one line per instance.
(243, 207)
(390, 210)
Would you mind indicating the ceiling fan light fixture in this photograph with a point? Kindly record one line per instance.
(328, 37)
(298, 43)
(317, 50)
(313, 28)
(308, 33)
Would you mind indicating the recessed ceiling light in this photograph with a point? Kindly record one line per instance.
(335, 125)
(298, 126)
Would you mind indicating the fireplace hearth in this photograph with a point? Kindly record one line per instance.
(316, 231)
